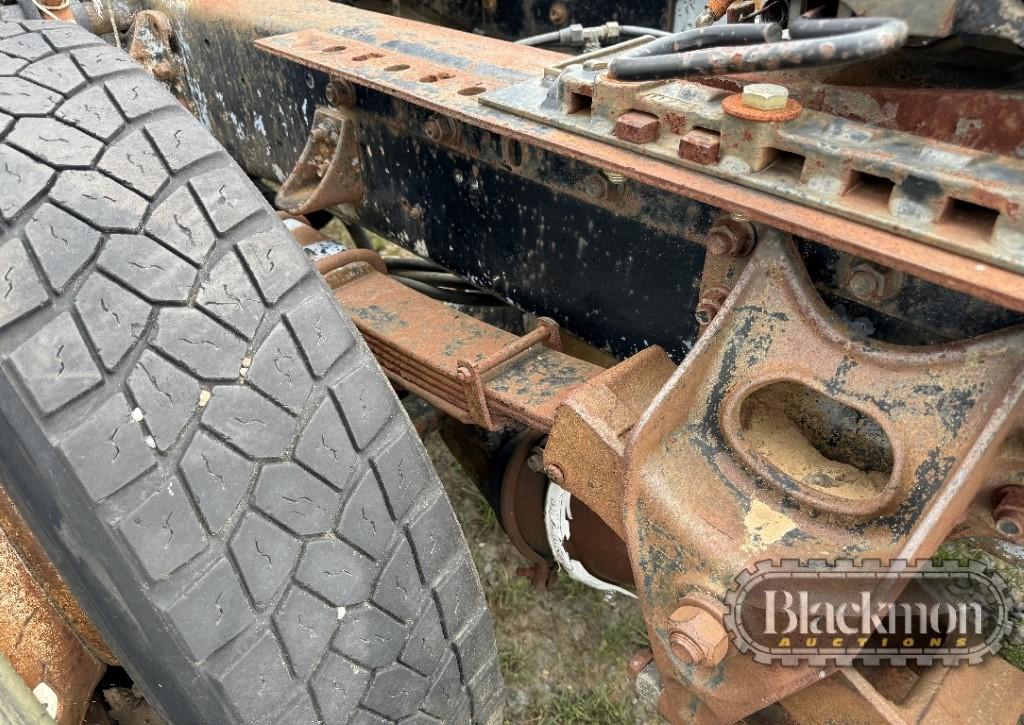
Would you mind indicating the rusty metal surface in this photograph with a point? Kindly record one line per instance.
(983, 694)
(521, 506)
(34, 635)
(47, 576)
(943, 411)
(422, 343)
(887, 179)
(328, 172)
(588, 440)
(483, 63)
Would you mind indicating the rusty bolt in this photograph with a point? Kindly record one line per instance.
(440, 129)
(637, 127)
(765, 96)
(700, 146)
(596, 186)
(554, 472)
(710, 304)
(558, 14)
(606, 186)
(1009, 512)
(639, 661)
(865, 282)
(340, 93)
(464, 374)
(731, 236)
(696, 635)
(164, 71)
(869, 283)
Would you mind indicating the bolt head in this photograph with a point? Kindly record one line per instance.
(765, 96)
(433, 129)
(705, 314)
(722, 241)
(865, 282)
(731, 236)
(596, 186)
(696, 635)
(340, 93)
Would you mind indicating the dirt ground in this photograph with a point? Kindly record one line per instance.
(563, 649)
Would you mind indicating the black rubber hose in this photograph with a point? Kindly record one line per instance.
(360, 237)
(713, 36)
(542, 39)
(396, 264)
(451, 296)
(869, 38)
(438, 279)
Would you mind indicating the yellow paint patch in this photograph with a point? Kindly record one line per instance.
(764, 526)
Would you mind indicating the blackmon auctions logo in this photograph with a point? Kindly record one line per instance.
(824, 613)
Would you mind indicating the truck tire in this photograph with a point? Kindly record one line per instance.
(195, 430)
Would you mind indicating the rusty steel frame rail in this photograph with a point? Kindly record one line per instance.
(430, 54)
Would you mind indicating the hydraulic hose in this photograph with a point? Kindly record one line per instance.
(716, 35)
(542, 39)
(816, 44)
(457, 297)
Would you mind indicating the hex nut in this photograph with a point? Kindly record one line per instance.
(865, 282)
(765, 96)
(700, 146)
(696, 635)
(710, 305)
(731, 236)
(637, 127)
(604, 186)
(340, 93)
(440, 129)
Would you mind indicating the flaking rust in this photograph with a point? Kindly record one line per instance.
(34, 633)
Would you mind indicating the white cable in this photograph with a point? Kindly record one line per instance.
(113, 24)
(557, 516)
(49, 10)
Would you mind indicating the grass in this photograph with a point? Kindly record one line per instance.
(510, 595)
(563, 649)
(626, 633)
(598, 705)
(1013, 655)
